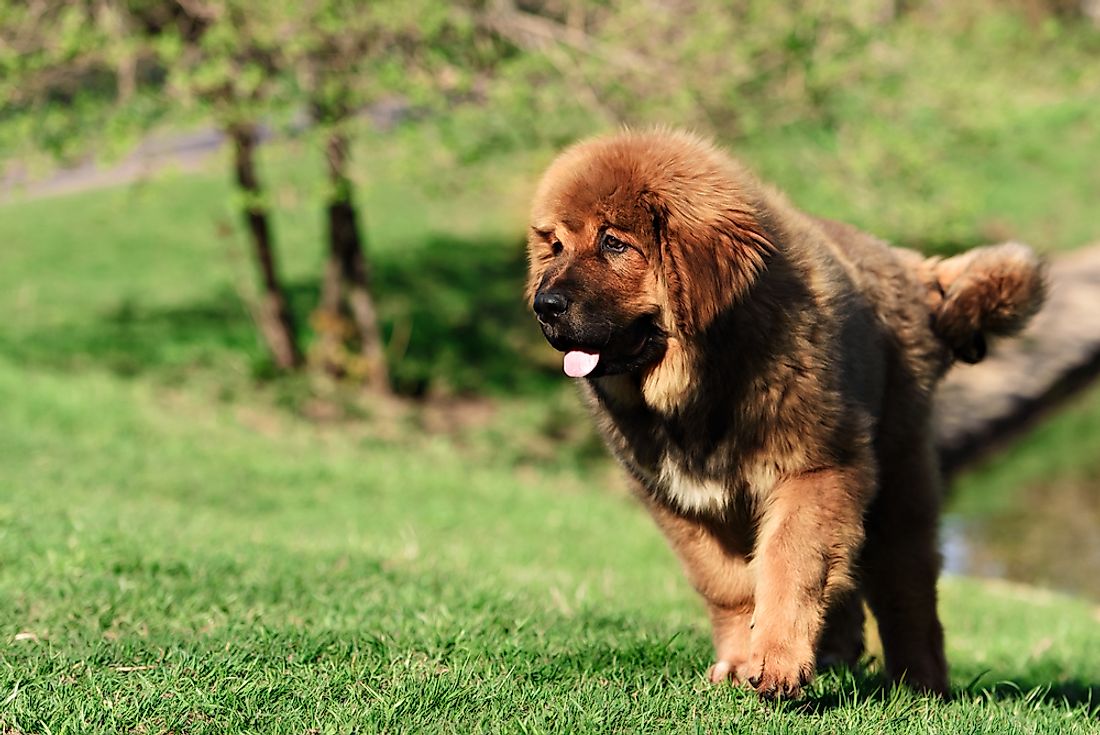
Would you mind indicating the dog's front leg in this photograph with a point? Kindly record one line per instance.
(810, 532)
(715, 558)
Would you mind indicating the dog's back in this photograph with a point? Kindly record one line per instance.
(943, 309)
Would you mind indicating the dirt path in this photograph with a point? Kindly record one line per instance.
(183, 151)
(180, 151)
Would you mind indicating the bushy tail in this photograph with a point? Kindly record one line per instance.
(988, 291)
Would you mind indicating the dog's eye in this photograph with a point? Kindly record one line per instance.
(556, 247)
(611, 244)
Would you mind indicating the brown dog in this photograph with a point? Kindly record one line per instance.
(766, 379)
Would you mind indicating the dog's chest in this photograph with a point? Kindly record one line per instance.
(710, 492)
(689, 491)
(701, 466)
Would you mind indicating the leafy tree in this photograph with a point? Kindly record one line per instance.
(56, 84)
(226, 54)
(71, 74)
(729, 67)
(345, 56)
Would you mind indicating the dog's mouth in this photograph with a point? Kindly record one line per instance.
(625, 350)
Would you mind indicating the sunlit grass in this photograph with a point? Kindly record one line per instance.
(169, 564)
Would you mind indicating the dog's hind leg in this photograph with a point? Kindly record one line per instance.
(842, 641)
(900, 566)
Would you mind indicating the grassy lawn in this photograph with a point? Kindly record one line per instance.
(169, 565)
(189, 546)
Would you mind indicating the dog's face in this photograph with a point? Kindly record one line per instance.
(636, 240)
(594, 282)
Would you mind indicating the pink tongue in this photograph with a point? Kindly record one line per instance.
(578, 364)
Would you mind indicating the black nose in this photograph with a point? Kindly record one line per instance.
(550, 304)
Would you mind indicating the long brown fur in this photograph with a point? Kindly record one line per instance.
(766, 378)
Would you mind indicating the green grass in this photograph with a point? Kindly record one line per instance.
(189, 545)
(927, 185)
(169, 565)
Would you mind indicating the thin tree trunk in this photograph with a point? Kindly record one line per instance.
(347, 280)
(126, 79)
(274, 317)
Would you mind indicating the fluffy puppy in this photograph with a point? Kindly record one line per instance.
(766, 378)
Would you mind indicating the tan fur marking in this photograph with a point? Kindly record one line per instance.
(669, 382)
(692, 494)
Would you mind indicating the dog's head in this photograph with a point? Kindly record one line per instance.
(637, 239)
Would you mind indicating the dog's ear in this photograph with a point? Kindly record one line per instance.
(709, 258)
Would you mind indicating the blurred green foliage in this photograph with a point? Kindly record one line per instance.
(934, 125)
(937, 124)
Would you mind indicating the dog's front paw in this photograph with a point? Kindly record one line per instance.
(777, 673)
(724, 670)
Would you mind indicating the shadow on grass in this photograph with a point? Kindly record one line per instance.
(672, 655)
(661, 651)
(452, 312)
(679, 656)
(1073, 693)
(455, 317)
(131, 338)
(842, 687)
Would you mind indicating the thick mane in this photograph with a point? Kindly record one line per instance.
(705, 208)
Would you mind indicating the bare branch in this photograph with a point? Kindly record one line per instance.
(538, 33)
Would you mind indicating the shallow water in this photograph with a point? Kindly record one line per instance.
(1043, 535)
